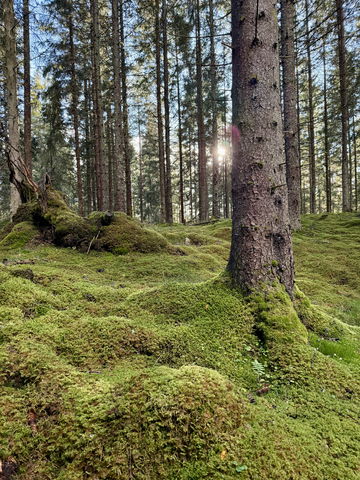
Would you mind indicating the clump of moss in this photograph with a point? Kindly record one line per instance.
(19, 236)
(126, 234)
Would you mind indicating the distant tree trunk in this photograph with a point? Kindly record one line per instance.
(120, 182)
(15, 161)
(312, 166)
(159, 113)
(326, 139)
(141, 174)
(111, 158)
(127, 153)
(75, 115)
(90, 194)
(168, 189)
(203, 188)
(290, 113)
(261, 249)
(344, 106)
(356, 196)
(214, 116)
(98, 110)
(180, 137)
(27, 88)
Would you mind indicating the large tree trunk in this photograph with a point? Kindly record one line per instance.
(21, 187)
(75, 115)
(326, 138)
(180, 137)
(98, 110)
(120, 182)
(168, 189)
(311, 128)
(159, 114)
(344, 107)
(27, 88)
(127, 152)
(290, 113)
(261, 248)
(214, 117)
(203, 187)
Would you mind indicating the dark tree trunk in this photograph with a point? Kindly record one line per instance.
(98, 110)
(326, 139)
(27, 88)
(261, 249)
(290, 112)
(356, 196)
(75, 115)
(344, 107)
(168, 189)
(311, 130)
(120, 183)
(127, 153)
(180, 137)
(141, 174)
(214, 117)
(159, 113)
(203, 187)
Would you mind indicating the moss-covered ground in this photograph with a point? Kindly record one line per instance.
(151, 366)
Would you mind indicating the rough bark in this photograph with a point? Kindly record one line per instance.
(120, 181)
(168, 189)
(98, 110)
(344, 107)
(326, 138)
(214, 117)
(141, 173)
(127, 152)
(180, 138)
(202, 165)
(356, 196)
(159, 114)
(27, 87)
(290, 112)
(311, 128)
(75, 115)
(261, 248)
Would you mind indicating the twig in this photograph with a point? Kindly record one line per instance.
(92, 240)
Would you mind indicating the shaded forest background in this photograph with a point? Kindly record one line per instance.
(127, 104)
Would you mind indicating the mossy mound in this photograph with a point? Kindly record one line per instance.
(19, 236)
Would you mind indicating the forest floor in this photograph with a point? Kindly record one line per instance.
(150, 366)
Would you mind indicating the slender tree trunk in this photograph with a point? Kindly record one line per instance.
(344, 107)
(75, 115)
(98, 110)
(326, 138)
(168, 189)
(120, 182)
(141, 173)
(159, 114)
(356, 196)
(127, 152)
(290, 113)
(311, 130)
(261, 249)
(180, 137)
(203, 187)
(16, 164)
(27, 88)
(214, 116)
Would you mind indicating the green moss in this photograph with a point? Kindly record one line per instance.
(19, 236)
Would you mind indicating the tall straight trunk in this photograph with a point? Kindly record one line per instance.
(311, 130)
(127, 152)
(191, 200)
(180, 137)
(261, 249)
(168, 189)
(302, 202)
(74, 113)
(356, 196)
(159, 114)
(214, 117)
(27, 87)
(203, 187)
(89, 192)
(120, 182)
(110, 147)
(344, 106)
(326, 138)
(141, 173)
(16, 164)
(290, 112)
(98, 110)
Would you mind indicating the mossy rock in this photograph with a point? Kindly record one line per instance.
(125, 235)
(20, 235)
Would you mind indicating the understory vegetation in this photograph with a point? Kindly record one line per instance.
(141, 362)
